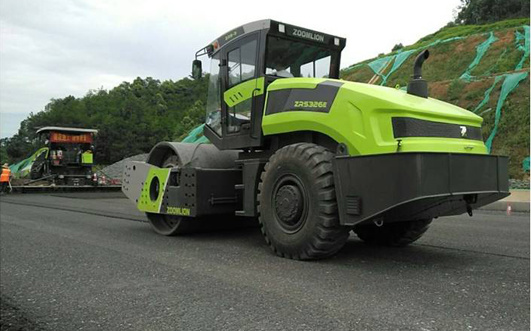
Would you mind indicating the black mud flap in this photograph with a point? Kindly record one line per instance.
(410, 186)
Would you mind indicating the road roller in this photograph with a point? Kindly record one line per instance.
(311, 157)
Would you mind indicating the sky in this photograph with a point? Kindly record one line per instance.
(56, 48)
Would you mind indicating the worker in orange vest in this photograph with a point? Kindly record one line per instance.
(5, 178)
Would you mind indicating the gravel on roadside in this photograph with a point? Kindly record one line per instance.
(114, 171)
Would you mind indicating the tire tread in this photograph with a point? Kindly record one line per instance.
(329, 236)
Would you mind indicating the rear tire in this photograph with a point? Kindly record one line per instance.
(395, 234)
(297, 205)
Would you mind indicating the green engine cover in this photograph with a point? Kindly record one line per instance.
(370, 119)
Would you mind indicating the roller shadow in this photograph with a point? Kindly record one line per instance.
(357, 253)
(245, 234)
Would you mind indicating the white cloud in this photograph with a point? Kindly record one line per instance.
(51, 49)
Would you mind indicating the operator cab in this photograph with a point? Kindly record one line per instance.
(244, 61)
(67, 145)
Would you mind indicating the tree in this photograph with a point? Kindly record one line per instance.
(131, 118)
(397, 47)
(195, 116)
(3, 151)
(488, 11)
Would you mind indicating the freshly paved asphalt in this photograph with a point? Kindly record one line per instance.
(87, 262)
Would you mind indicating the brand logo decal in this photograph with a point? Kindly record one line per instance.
(308, 35)
(463, 130)
(178, 211)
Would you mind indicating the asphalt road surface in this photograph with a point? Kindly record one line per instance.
(90, 262)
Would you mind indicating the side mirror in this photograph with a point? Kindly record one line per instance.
(197, 71)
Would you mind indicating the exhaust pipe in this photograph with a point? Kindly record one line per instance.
(418, 86)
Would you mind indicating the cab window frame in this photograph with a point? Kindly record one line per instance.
(335, 55)
(246, 40)
(256, 64)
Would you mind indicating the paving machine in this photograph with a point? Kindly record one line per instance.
(67, 157)
(314, 157)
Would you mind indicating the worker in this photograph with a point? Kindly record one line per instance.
(5, 178)
(86, 157)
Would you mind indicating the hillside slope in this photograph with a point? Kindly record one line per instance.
(484, 69)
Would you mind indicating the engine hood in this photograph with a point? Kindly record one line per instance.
(370, 119)
(391, 100)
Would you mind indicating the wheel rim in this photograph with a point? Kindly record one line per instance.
(289, 201)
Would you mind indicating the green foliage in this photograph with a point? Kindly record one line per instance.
(497, 61)
(488, 11)
(131, 118)
(397, 47)
(359, 74)
(455, 90)
(467, 30)
(449, 60)
(194, 116)
(451, 30)
(3, 151)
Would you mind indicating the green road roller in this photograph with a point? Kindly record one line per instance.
(313, 157)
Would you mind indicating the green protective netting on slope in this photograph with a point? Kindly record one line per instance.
(487, 94)
(380, 64)
(481, 49)
(352, 67)
(525, 164)
(440, 41)
(196, 136)
(519, 37)
(399, 59)
(510, 83)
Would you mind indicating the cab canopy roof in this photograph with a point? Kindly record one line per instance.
(277, 29)
(66, 130)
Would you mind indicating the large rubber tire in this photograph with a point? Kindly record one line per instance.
(396, 234)
(297, 205)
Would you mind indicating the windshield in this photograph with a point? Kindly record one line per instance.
(288, 58)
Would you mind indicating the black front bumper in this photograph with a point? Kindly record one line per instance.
(411, 186)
